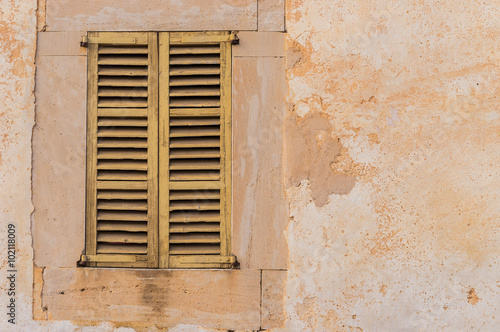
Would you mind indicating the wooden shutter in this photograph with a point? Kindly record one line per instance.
(122, 150)
(195, 150)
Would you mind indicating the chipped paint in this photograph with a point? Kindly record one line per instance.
(408, 93)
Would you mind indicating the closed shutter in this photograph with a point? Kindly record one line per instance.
(122, 150)
(195, 150)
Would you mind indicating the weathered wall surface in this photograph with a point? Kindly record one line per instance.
(17, 104)
(391, 163)
(390, 170)
(182, 300)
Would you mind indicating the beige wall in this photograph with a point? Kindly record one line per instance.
(247, 299)
(397, 104)
(381, 174)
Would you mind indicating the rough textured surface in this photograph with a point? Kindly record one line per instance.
(210, 298)
(403, 97)
(17, 73)
(161, 15)
(60, 43)
(59, 161)
(273, 283)
(271, 15)
(259, 208)
(253, 43)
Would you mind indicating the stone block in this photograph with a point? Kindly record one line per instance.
(259, 206)
(271, 15)
(160, 15)
(253, 43)
(273, 283)
(60, 43)
(59, 161)
(225, 299)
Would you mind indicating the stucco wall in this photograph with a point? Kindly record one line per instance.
(390, 163)
(394, 110)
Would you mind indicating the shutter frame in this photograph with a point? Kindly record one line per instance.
(110, 191)
(169, 258)
(119, 108)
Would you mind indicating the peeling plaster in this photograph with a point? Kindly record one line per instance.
(408, 92)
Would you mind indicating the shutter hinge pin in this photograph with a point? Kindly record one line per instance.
(84, 42)
(233, 38)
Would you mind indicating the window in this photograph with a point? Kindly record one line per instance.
(158, 150)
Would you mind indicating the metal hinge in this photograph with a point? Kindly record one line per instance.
(84, 42)
(233, 38)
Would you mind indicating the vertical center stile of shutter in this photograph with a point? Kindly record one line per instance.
(153, 149)
(163, 252)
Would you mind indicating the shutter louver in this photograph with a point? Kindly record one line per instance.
(122, 150)
(195, 116)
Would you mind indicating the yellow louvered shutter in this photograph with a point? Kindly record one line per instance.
(122, 150)
(159, 150)
(195, 150)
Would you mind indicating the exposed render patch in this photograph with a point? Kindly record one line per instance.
(472, 298)
(310, 151)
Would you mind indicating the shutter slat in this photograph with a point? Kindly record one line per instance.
(122, 165)
(195, 49)
(191, 121)
(194, 80)
(127, 226)
(194, 176)
(115, 185)
(122, 154)
(122, 132)
(195, 238)
(194, 194)
(125, 102)
(182, 112)
(194, 216)
(123, 81)
(195, 142)
(122, 143)
(123, 112)
(194, 132)
(195, 228)
(123, 50)
(200, 91)
(193, 153)
(122, 205)
(104, 248)
(122, 215)
(122, 122)
(195, 102)
(123, 60)
(195, 205)
(194, 70)
(122, 71)
(122, 194)
(123, 92)
(194, 164)
(194, 249)
(195, 185)
(121, 175)
(122, 237)
(206, 59)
